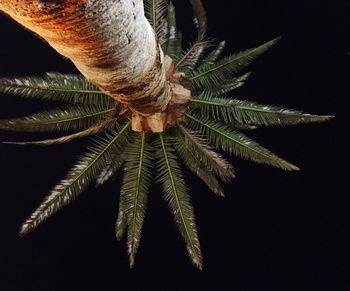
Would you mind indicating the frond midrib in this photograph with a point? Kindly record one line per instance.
(90, 164)
(174, 189)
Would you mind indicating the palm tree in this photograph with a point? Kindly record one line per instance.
(171, 106)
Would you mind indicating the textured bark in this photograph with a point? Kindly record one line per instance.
(109, 41)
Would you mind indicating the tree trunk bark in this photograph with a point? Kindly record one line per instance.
(109, 41)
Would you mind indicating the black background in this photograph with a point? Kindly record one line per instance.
(274, 230)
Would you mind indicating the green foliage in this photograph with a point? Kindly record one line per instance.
(236, 143)
(250, 113)
(79, 177)
(211, 123)
(55, 87)
(156, 13)
(213, 74)
(136, 181)
(176, 194)
(73, 117)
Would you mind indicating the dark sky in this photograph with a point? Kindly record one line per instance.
(273, 231)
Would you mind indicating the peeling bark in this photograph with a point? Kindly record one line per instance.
(110, 42)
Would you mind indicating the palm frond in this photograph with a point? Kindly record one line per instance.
(205, 153)
(176, 195)
(212, 56)
(214, 74)
(156, 13)
(236, 143)
(230, 110)
(79, 178)
(67, 138)
(55, 87)
(73, 117)
(136, 181)
(200, 18)
(190, 58)
(174, 43)
(197, 166)
(226, 86)
(111, 168)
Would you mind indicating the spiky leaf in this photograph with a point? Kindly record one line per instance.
(204, 153)
(197, 166)
(73, 117)
(55, 87)
(156, 13)
(212, 56)
(190, 58)
(175, 190)
(174, 43)
(250, 113)
(214, 74)
(236, 143)
(136, 181)
(79, 178)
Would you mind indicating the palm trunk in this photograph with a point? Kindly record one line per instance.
(110, 42)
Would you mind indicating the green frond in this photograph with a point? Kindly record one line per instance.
(176, 194)
(190, 58)
(199, 18)
(174, 43)
(204, 153)
(236, 143)
(111, 168)
(79, 178)
(197, 166)
(212, 56)
(136, 181)
(121, 223)
(156, 13)
(226, 86)
(230, 110)
(55, 87)
(72, 117)
(66, 138)
(213, 74)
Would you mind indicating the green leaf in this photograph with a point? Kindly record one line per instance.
(174, 44)
(156, 13)
(196, 165)
(73, 117)
(236, 143)
(212, 56)
(214, 74)
(176, 195)
(135, 185)
(200, 17)
(204, 153)
(190, 58)
(55, 87)
(79, 177)
(250, 113)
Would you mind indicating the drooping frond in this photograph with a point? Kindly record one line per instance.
(79, 178)
(236, 143)
(73, 117)
(190, 58)
(121, 223)
(55, 87)
(66, 138)
(174, 43)
(136, 181)
(213, 74)
(251, 113)
(197, 166)
(175, 190)
(205, 154)
(156, 13)
(200, 18)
